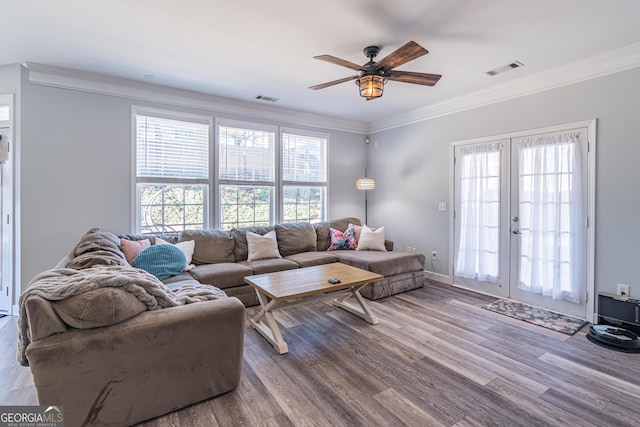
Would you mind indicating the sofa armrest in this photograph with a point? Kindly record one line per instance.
(43, 320)
(151, 364)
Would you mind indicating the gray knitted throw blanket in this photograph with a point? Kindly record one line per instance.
(61, 283)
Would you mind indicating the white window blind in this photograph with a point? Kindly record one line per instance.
(304, 158)
(246, 154)
(171, 149)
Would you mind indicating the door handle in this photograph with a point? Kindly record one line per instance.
(516, 231)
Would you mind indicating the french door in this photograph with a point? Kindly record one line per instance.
(520, 218)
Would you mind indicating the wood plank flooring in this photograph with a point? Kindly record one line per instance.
(435, 359)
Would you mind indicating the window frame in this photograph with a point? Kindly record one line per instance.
(136, 220)
(308, 184)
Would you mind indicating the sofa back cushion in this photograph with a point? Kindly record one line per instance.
(240, 239)
(211, 246)
(323, 230)
(295, 238)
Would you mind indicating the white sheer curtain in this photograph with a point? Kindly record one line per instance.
(552, 217)
(478, 194)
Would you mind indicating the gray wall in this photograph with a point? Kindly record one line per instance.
(76, 170)
(412, 167)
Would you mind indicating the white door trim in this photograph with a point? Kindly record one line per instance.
(7, 218)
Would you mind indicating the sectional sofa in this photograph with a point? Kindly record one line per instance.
(220, 258)
(98, 344)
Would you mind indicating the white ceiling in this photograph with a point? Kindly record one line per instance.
(242, 48)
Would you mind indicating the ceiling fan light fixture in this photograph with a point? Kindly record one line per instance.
(371, 86)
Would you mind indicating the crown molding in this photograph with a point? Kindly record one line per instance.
(611, 62)
(67, 78)
(597, 66)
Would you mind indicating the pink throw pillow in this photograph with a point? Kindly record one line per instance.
(132, 248)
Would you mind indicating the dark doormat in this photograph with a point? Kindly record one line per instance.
(538, 316)
(614, 338)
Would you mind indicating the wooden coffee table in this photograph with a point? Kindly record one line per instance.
(293, 287)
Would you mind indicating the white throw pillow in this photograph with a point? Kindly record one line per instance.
(371, 240)
(262, 247)
(187, 248)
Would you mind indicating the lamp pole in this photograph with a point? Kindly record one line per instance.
(366, 201)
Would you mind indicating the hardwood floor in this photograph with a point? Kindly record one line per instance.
(436, 358)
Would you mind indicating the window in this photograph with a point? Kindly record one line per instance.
(304, 176)
(247, 174)
(262, 174)
(172, 172)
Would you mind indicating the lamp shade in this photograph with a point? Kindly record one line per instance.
(365, 184)
(371, 86)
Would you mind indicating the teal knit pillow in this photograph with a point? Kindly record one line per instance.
(161, 260)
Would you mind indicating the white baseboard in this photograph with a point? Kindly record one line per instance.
(437, 277)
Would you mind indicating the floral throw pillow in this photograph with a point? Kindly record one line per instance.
(341, 241)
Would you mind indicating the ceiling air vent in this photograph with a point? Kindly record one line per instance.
(495, 71)
(266, 98)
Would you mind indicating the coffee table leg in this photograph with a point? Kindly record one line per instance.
(270, 331)
(364, 312)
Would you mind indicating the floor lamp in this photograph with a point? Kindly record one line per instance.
(365, 184)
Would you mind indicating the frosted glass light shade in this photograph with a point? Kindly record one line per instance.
(365, 184)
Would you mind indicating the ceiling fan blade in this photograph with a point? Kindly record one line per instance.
(406, 53)
(342, 62)
(412, 77)
(335, 82)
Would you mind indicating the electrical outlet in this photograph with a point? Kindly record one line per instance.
(434, 254)
(624, 290)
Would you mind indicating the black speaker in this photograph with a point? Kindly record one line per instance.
(619, 311)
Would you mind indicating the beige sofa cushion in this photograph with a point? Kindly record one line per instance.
(295, 237)
(211, 246)
(240, 238)
(97, 308)
(262, 247)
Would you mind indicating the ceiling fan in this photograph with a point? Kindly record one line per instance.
(374, 75)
